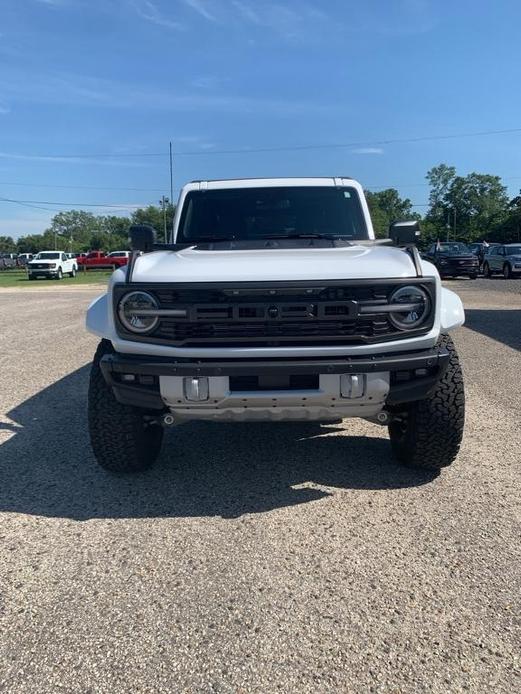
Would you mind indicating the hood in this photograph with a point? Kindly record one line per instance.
(274, 264)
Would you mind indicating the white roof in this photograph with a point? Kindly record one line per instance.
(269, 183)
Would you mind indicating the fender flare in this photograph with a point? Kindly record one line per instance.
(96, 320)
(452, 314)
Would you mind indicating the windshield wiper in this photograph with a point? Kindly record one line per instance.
(208, 239)
(302, 236)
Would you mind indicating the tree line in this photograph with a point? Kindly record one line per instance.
(474, 207)
(76, 231)
(468, 208)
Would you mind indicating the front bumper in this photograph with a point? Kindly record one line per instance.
(43, 272)
(455, 268)
(156, 383)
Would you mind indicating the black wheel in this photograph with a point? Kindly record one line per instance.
(72, 273)
(428, 433)
(473, 277)
(59, 274)
(120, 436)
(507, 271)
(486, 270)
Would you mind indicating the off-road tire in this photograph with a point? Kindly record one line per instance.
(428, 433)
(72, 273)
(59, 274)
(121, 438)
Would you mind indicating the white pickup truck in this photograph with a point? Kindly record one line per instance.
(52, 264)
(275, 302)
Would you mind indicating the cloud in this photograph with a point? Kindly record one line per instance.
(200, 7)
(209, 82)
(32, 222)
(147, 10)
(19, 156)
(368, 150)
(53, 3)
(247, 11)
(292, 23)
(92, 92)
(194, 140)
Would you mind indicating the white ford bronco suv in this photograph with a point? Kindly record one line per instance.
(275, 302)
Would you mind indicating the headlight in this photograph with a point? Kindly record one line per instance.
(136, 312)
(51, 266)
(416, 307)
(443, 261)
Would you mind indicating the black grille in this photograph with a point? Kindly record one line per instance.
(273, 314)
(298, 333)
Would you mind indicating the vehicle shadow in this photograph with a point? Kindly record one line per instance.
(501, 325)
(205, 469)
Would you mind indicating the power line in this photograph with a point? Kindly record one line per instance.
(26, 204)
(282, 148)
(34, 203)
(47, 185)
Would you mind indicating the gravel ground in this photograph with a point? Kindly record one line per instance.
(255, 558)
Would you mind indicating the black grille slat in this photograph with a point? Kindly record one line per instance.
(187, 332)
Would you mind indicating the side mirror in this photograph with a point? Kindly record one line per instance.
(405, 233)
(142, 237)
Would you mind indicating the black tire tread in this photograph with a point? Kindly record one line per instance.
(120, 439)
(434, 428)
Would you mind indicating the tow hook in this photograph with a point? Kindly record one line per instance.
(165, 420)
(383, 418)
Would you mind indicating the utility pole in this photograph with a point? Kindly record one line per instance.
(171, 189)
(164, 202)
(454, 224)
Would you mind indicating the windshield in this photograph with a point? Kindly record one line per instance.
(48, 256)
(453, 248)
(260, 213)
(514, 250)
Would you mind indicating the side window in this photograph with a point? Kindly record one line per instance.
(431, 249)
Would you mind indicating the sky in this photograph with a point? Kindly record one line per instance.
(402, 85)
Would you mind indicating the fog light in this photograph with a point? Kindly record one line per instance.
(352, 386)
(196, 389)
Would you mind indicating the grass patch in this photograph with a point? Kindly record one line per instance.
(18, 278)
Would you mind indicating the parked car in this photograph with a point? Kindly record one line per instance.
(99, 259)
(54, 264)
(275, 303)
(8, 261)
(24, 258)
(480, 249)
(453, 259)
(505, 259)
(122, 255)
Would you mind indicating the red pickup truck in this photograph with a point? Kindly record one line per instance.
(99, 259)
